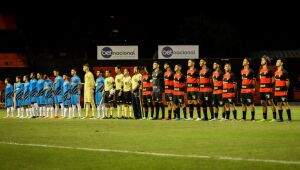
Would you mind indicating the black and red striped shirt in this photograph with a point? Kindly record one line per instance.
(179, 84)
(169, 81)
(217, 77)
(192, 80)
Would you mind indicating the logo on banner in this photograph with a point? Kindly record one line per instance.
(106, 52)
(167, 52)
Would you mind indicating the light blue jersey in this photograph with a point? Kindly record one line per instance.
(75, 90)
(98, 91)
(19, 94)
(66, 93)
(48, 92)
(9, 94)
(26, 94)
(40, 90)
(58, 83)
(33, 90)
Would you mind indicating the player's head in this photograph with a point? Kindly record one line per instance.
(25, 78)
(246, 61)
(166, 65)
(73, 71)
(126, 71)
(191, 63)
(86, 67)
(177, 68)
(118, 69)
(7, 80)
(279, 62)
(55, 72)
(136, 70)
(216, 64)
(265, 60)
(202, 62)
(155, 65)
(227, 67)
(39, 75)
(18, 79)
(65, 76)
(99, 73)
(46, 77)
(32, 75)
(107, 73)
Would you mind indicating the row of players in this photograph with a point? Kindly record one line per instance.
(203, 88)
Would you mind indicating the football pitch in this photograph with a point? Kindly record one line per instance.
(149, 144)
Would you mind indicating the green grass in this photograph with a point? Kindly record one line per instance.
(246, 140)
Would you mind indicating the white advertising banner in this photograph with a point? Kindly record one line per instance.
(117, 52)
(178, 52)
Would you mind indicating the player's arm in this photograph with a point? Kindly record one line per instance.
(234, 82)
(254, 80)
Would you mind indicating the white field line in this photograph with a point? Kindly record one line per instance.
(155, 153)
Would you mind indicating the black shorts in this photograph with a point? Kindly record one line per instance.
(266, 96)
(107, 98)
(169, 97)
(192, 95)
(280, 99)
(247, 98)
(157, 96)
(217, 100)
(147, 99)
(118, 99)
(228, 100)
(205, 96)
(127, 97)
(178, 99)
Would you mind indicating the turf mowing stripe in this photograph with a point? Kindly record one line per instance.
(155, 153)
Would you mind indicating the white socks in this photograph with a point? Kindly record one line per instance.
(56, 109)
(51, 111)
(62, 108)
(19, 111)
(27, 112)
(79, 109)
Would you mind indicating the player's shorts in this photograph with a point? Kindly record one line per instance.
(118, 98)
(8, 102)
(49, 101)
(98, 97)
(147, 98)
(266, 96)
(127, 97)
(178, 99)
(107, 98)
(33, 99)
(26, 102)
(75, 99)
(192, 95)
(169, 97)
(205, 96)
(58, 99)
(280, 99)
(217, 100)
(19, 103)
(247, 98)
(228, 100)
(67, 102)
(157, 97)
(41, 100)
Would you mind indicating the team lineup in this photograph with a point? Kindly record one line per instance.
(137, 96)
